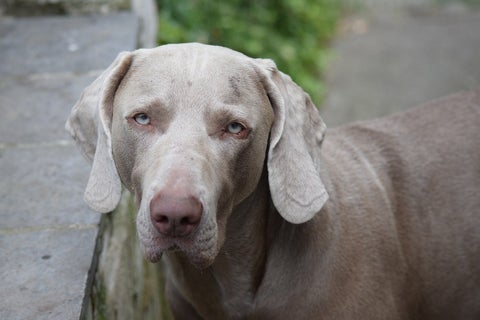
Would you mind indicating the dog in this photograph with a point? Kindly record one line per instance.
(259, 212)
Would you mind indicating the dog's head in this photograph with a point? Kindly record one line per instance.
(187, 129)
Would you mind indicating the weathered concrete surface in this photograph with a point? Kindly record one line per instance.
(47, 234)
(396, 54)
(145, 11)
(44, 271)
(46, 7)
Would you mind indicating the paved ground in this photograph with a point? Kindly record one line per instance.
(396, 54)
(47, 234)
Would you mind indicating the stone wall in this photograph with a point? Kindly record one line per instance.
(126, 286)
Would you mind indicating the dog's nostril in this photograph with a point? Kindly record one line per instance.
(161, 219)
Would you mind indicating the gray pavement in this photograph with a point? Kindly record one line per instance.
(48, 237)
(395, 54)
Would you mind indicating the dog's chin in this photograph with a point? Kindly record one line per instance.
(153, 255)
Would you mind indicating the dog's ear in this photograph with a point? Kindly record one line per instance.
(90, 125)
(297, 133)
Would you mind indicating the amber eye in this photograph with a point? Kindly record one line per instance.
(142, 119)
(235, 128)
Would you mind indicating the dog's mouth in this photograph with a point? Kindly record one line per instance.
(199, 252)
(154, 254)
(154, 249)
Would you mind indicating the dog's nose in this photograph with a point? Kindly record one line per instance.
(175, 216)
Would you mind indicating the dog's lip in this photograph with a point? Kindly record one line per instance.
(154, 250)
(165, 242)
(153, 253)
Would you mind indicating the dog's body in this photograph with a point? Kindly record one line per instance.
(228, 171)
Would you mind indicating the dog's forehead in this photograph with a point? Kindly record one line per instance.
(178, 74)
(192, 64)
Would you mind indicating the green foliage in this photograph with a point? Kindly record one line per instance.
(293, 33)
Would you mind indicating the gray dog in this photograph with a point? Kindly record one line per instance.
(259, 216)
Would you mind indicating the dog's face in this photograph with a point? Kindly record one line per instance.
(189, 137)
(186, 128)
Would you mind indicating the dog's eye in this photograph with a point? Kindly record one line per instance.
(235, 128)
(142, 118)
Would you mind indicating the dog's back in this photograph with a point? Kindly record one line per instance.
(424, 164)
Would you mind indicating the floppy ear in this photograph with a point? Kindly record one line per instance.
(295, 139)
(89, 124)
